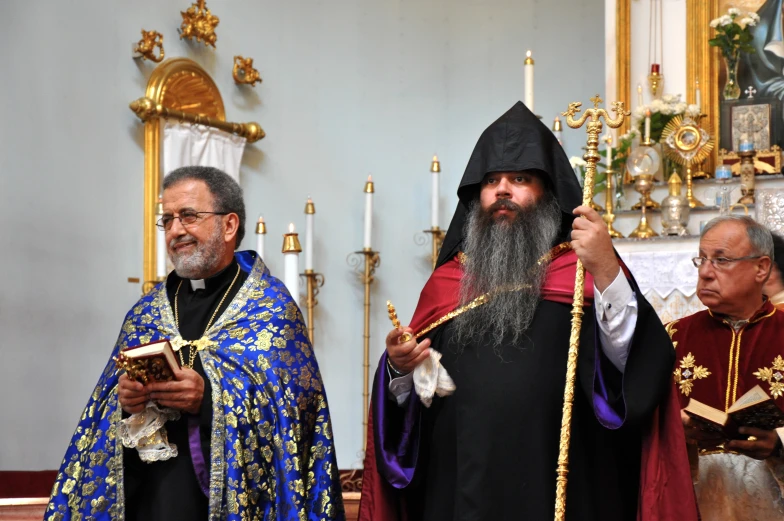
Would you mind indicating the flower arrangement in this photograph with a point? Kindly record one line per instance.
(662, 111)
(733, 36)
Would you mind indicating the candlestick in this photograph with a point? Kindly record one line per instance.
(369, 190)
(647, 136)
(291, 250)
(529, 81)
(371, 262)
(639, 94)
(261, 231)
(310, 214)
(435, 169)
(558, 130)
(313, 282)
(160, 245)
(698, 97)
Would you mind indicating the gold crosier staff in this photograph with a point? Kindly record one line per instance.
(591, 157)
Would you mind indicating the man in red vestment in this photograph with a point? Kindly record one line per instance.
(723, 352)
(465, 417)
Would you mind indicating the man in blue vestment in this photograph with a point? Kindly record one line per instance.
(243, 431)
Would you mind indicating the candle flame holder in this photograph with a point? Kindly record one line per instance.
(368, 260)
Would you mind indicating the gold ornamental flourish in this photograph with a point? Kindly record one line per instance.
(244, 73)
(145, 48)
(198, 22)
(591, 157)
(147, 109)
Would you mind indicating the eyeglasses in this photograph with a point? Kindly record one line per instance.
(721, 262)
(186, 218)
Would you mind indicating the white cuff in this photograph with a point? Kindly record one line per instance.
(401, 388)
(615, 298)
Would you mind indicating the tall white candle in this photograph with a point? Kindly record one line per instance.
(698, 96)
(160, 246)
(310, 214)
(261, 231)
(639, 95)
(291, 249)
(369, 189)
(529, 81)
(647, 126)
(609, 151)
(435, 169)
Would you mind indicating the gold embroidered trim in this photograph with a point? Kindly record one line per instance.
(774, 376)
(482, 299)
(729, 371)
(688, 372)
(670, 329)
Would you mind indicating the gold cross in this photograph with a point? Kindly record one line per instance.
(596, 101)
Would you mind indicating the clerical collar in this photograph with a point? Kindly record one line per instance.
(218, 280)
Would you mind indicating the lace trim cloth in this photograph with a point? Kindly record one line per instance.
(430, 378)
(664, 271)
(731, 486)
(145, 432)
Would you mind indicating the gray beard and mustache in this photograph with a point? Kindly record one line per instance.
(203, 260)
(502, 260)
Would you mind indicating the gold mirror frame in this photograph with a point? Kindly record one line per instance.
(702, 63)
(177, 89)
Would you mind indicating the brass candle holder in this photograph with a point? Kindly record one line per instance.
(313, 282)
(747, 173)
(643, 183)
(591, 157)
(609, 204)
(437, 238)
(370, 260)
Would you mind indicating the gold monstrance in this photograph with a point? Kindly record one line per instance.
(591, 157)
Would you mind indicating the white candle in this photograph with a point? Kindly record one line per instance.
(369, 189)
(310, 214)
(698, 96)
(160, 246)
(609, 151)
(261, 231)
(435, 168)
(639, 95)
(291, 249)
(529, 81)
(647, 125)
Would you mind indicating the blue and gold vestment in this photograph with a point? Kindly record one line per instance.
(272, 450)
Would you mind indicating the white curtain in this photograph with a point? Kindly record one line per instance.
(185, 144)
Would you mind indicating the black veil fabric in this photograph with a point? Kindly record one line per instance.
(516, 141)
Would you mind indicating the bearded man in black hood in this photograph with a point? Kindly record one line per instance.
(488, 361)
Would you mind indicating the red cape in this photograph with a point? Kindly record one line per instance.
(666, 490)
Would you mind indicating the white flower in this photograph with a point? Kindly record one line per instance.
(679, 108)
(725, 20)
(577, 162)
(715, 22)
(657, 105)
(733, 11)
(639, 112)
(754, 16)
(692, 111)
(747, 22)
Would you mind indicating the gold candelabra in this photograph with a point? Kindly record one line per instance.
(591, 157)
(313, 282)
(371, 261)
(436, 240)
(747, 173)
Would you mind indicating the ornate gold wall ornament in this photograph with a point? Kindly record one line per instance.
(244, 73)
(177, 89)
(145, 48)
(198, 22)
(766, 162)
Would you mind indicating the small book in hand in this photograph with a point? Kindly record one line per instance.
(753, 409)
(154, 362)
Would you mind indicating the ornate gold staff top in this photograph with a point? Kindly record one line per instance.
(591, 157)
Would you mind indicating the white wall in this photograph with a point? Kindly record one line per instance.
(350, 88)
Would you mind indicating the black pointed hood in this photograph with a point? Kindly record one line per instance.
(516, 141)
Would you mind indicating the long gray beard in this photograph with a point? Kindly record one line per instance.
(502, 261)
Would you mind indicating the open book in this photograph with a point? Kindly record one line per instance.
(154, 362)
(753, 409)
